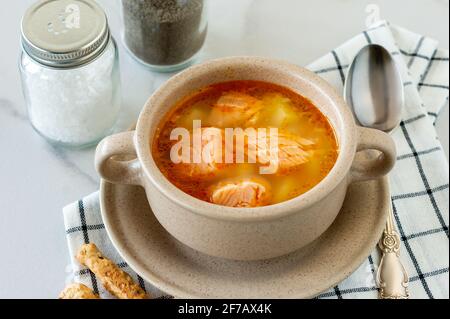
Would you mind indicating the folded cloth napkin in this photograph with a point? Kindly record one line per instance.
(419, 181)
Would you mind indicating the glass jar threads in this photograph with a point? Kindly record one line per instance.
(164, 34)
(70, 72)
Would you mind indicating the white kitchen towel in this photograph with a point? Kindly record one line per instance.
(419, 181)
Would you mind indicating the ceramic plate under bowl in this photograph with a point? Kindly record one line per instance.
(185, 273)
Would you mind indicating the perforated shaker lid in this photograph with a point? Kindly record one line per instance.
(64, 33)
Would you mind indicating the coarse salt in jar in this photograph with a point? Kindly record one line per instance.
(70, 72)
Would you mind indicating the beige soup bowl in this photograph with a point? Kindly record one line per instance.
(245, 233)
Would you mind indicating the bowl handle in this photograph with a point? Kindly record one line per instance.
(116, 160)
(372, 139)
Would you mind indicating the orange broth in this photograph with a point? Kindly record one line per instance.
(281, 108)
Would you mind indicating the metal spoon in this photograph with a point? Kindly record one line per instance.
(374, 91)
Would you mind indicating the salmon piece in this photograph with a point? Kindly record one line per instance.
(293, 151)
(208, 166)
(233, 109)
(248, 192)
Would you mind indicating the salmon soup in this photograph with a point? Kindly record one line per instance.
(287, 145)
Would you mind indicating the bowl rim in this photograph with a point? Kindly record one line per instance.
(347, 147)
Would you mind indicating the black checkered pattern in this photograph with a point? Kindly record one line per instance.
(83, 225)
(435, 195)
(419, 182)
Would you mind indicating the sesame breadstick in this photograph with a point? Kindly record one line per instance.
(77, 291)
(115, 280)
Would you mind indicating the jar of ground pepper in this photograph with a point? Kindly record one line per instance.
(164, 34)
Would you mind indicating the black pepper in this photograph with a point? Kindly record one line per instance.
(164, 32)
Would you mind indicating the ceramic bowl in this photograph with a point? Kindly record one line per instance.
(245, 233)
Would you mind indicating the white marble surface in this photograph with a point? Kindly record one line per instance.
(37, 180)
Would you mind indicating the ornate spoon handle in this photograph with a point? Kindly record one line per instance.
(392, 278)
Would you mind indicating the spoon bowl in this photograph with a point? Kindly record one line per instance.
(374, 89)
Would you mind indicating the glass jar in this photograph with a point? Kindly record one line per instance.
(70, 72)
(165, 35)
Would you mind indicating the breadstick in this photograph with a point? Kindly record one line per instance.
(77, 291)
(115, 280)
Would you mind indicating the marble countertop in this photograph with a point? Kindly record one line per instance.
(37, 179)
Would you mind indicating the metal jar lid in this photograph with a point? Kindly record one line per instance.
(64, 33)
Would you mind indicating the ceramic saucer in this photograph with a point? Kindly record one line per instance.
(185, 273)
